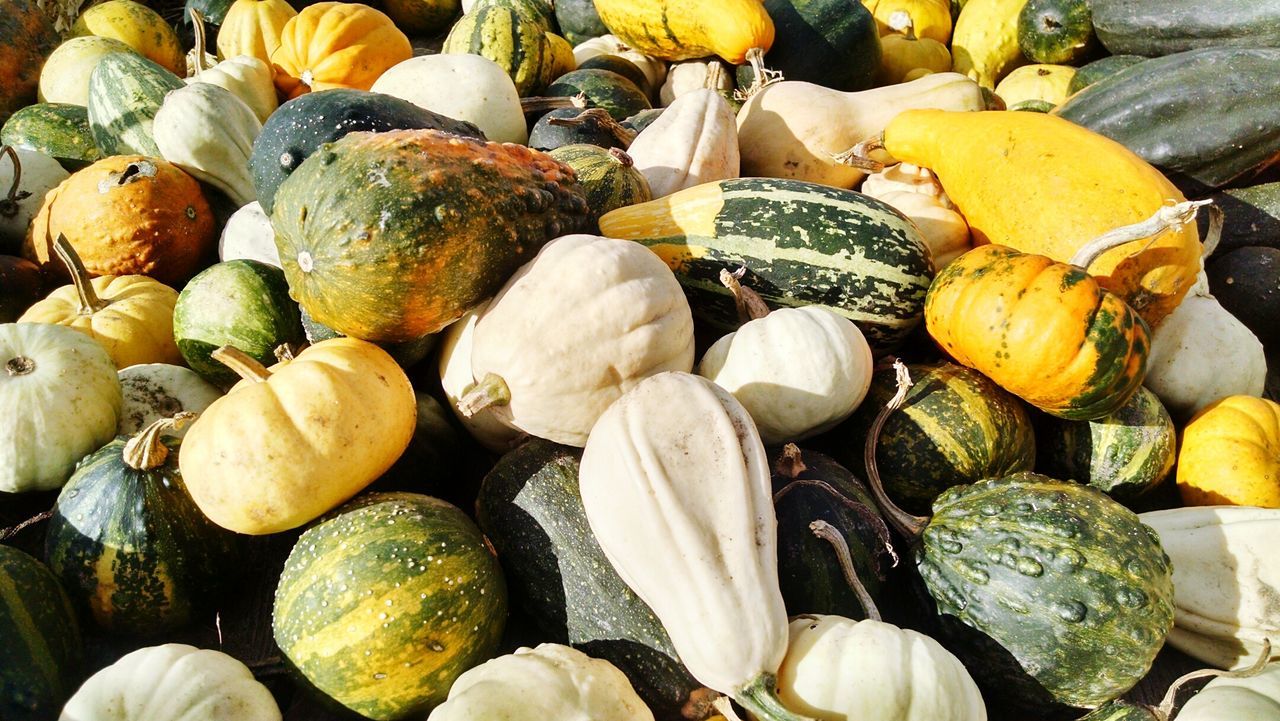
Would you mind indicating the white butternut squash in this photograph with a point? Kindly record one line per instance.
(209, 132)
(694, 141)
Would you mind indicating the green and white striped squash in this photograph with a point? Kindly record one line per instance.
(511, 36)
(125, 92)
(608, 176)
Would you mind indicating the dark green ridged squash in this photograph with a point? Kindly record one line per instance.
(129, 543)
(801, 244)
(1056, 31)
(1125, 454)
(608, 177)
(955, 426)
(59, 130)
(621, 66)
(595, 128)
(299, 127)
(1252, 217)
(40, 646)
(383, 603)
(641, 120)
(242, 303)
(530, 508)
(1143, 27)
(833, 43)
(126, 91)
(579, 21)
(602, 89)
(1206, 117)
(1246, 281)
(512, 34)
(1092, 72)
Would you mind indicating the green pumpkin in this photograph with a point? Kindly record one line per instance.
(608, 177)
(385, 602)
(130, 544)
(1058, 32)
(59, 130)
(40, 646)
(602, 89)
(579, 21)
(512, 34)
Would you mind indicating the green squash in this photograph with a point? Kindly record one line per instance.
(603, 89)
(641, 120)
(383, 603)
(1252, 217)
(40, 646)
(530, 508)
(608, 177)
(242, 303)
(579, 21)
(129, 543)
(422, 17)
(833, 43)
(1090, 73)
(600, 130)
(511, 34)
(406, 354)
(621, 66)
(1143, 27)
(1246, 281)
(59, 130)
(1059, 32)
(125, 92)
(1120, 711)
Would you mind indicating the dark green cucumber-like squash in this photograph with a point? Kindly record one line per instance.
(530, 509)
(608, 177)
(59, 130)
(1092, 72)
(383, 603)
(242, 303)
(1125, 454)
(801, 244)
(602, 89)
(27, 37)
(129, 543)
(1207, 117)
(833, 43)
(390, 236)
(1056, 31)
(955, 426)
(1252, 216)
(579, 21)
(593, 127)
(40, 646)
(1142, 27)
(125, 92)
(1246, 281)
(299, 127)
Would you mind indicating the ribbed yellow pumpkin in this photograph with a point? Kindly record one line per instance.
(291, 442)
(253, 27)
(1231, 454)
(336, 45)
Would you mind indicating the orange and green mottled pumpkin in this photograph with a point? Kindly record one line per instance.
(1045, 331)
(27, 37)
(336, 45)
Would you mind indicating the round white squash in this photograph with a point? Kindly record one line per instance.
(64, 77)
(18, 205)
(1253, 698)
(654, 69)
(463, 87)
(248, 234)
(456, 380)
(690, 75)
(158, 390)
(246, 77)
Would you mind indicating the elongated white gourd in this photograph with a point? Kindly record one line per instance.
(209, 132)
(694, 141)
(676, 488)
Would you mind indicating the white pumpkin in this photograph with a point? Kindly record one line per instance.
(20, 202)
(694, 141)
(456, 380)
(797, 371)
(463, 87)
(574, 329)
(209, 132)
(916, 193)
(1252, 698)
(246, 77)
(173, 682)
(60, 398)
(551, 681)
(838, 669)
(654, 69)
(690, 75)
(153, 391)
(249, 234)
(1226, 579)
(1201, 353)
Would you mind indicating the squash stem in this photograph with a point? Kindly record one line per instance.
(197, 30)
(900, 22)
(11, 531)
(542, 104)
(90, 303)
(621, 157)
(9, 204)
(1165, 709)
(715, 71)
(145, 450)
(859, 156)
(831, 535)
(761, 76)
(244, 365)
(606, 121)
(789, 464)
(490, 391)
(750, 305)
(1214, 233)
(19, 366)
(906, 524)
(760, 698)
(724, 707)
(1168, 217)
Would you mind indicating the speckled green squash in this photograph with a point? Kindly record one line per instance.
(1070, 595)
(1120, 711)
(1125, 454)
(132, 548)
(608, 177)
(59, 130)
(602, 89)
(801, 243)
(125, 92)
(956, 426)
(40, 646)
(386, 601)
(530, 508)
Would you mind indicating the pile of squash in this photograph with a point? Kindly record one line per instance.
(896, 360)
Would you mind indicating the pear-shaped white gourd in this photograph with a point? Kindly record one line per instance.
(463, 87)
(676, 488)
(209, 132)
(694, 141)
(245, 76)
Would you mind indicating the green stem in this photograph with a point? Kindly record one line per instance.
(760, 698)
(90, 303)
(490, 391)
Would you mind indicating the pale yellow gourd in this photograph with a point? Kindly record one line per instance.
(917, 194)
(64, 78)
(931, 18)
(984, 45)
(1041, 83)
(253, 27)
(462, 86)
(694, 141)
(903, 53)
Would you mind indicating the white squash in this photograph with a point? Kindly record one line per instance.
(916, 193)
(654, 69)
(694, 141)
(1253, 698)
(690, 75)
(1201, 353)
(676, 488)
(463, 87)
(456, 380)
(19, 202)
(209, 132)
(1226, 579)
(838, 669)
(797, 371)
(905, 177)
(246, 77)
(153, 391)
(574, 329)
(551, 681)
(60, 398)
(173, 682)
(64, 77)
(249, 234)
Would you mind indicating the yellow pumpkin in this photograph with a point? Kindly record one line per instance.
(336, 45)
(931, 18)
(902, 53)
(289, 443)
(65, 75)
(1040, 83)
(1230, 454)
(253, 27)
(137, 26)
(130, 315)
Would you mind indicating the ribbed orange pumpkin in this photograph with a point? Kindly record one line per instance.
(125, 215)
(253, 27)
(336, 45)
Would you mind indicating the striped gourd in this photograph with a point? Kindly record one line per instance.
(125, 92)
(607, 175)
(40, 646)
(801, 243)
(676, 30)
(382, 605)
(511, 36)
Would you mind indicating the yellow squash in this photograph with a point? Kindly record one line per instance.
(137, 26)
(253, 27)
(684, 29)
(931, 18)
(1230, 454)
(984, 45)
(903, 53)
(1043, 185)
(291, 442)
(130, 315)
(1032, 84)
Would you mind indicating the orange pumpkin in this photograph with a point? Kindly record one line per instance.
(336, 45)
(126, 215)
(253, 27)
(28, 38)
